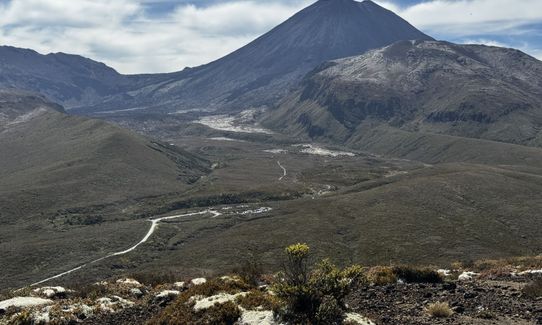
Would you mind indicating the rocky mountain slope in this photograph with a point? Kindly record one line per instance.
(420, 87)
(51, 160)
(264, 70)
(69, 80)
(485, 292)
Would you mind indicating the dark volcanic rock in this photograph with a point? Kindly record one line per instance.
(262, 71)
(431, 87)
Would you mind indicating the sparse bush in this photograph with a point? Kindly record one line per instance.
(439, 310)
(456, 266)
(256, 298)
(381, 275)
(215, 286)
(415, 275)
(91, 291)
(296, 269)
(533, 289)
(22, 318)
(154, 279)
(497, 272)
(329, 311)
(315, 297)
(250, 270)
(221, 314)
(181, 311)
(522, 263)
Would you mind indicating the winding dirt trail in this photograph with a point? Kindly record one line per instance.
(284, 171)
(152, 229)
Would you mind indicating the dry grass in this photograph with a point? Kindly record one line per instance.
(520, 263)
(381, 275)
(257, 299)
(416, 275)
(439, 310)
(154, 279)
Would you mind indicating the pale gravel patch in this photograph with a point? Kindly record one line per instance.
(130, 282)
(24, 302)
(257, 317)
(256, 211)
(226, 139)
(168, 293)
(276, 151)
(50, 292)
(207, 302)
(358, 319)
(319, 151)
(467, 276)
(198, 281)
(229, 123)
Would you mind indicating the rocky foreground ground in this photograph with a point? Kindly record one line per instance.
(513, 298)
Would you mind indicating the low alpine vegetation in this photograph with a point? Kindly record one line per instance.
(439, 310)
(314, 296)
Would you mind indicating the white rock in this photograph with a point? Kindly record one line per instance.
(41, 317)
(180, 285)
(22, 302)
(466, 276)
(530, 272)
(207, 302)
(136, 292)
(130, 282)
(50, 292)
(444, 272)
(252, 317)
(358, 319)
(108, 304)
(319, 151)
(198, 281)
(168, 293)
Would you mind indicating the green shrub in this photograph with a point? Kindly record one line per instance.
(296, 269)
(414, 275)
(329, 311)
(315, 297)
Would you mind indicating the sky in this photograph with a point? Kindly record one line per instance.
(148, 36)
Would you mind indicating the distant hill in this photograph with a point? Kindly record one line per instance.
(263, 71)
(414, 89)
(51, 160)
(70, 80)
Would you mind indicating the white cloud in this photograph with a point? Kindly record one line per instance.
(121, 34)
(471, 17)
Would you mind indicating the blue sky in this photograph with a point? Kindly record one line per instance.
(136, 36)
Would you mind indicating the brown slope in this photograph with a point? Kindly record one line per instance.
(52, 161)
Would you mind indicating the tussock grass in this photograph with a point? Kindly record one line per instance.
(439, 310)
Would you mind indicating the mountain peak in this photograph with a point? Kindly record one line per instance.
(263, 71)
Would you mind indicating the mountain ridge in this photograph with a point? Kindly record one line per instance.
(262, 71)
(470, 91)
